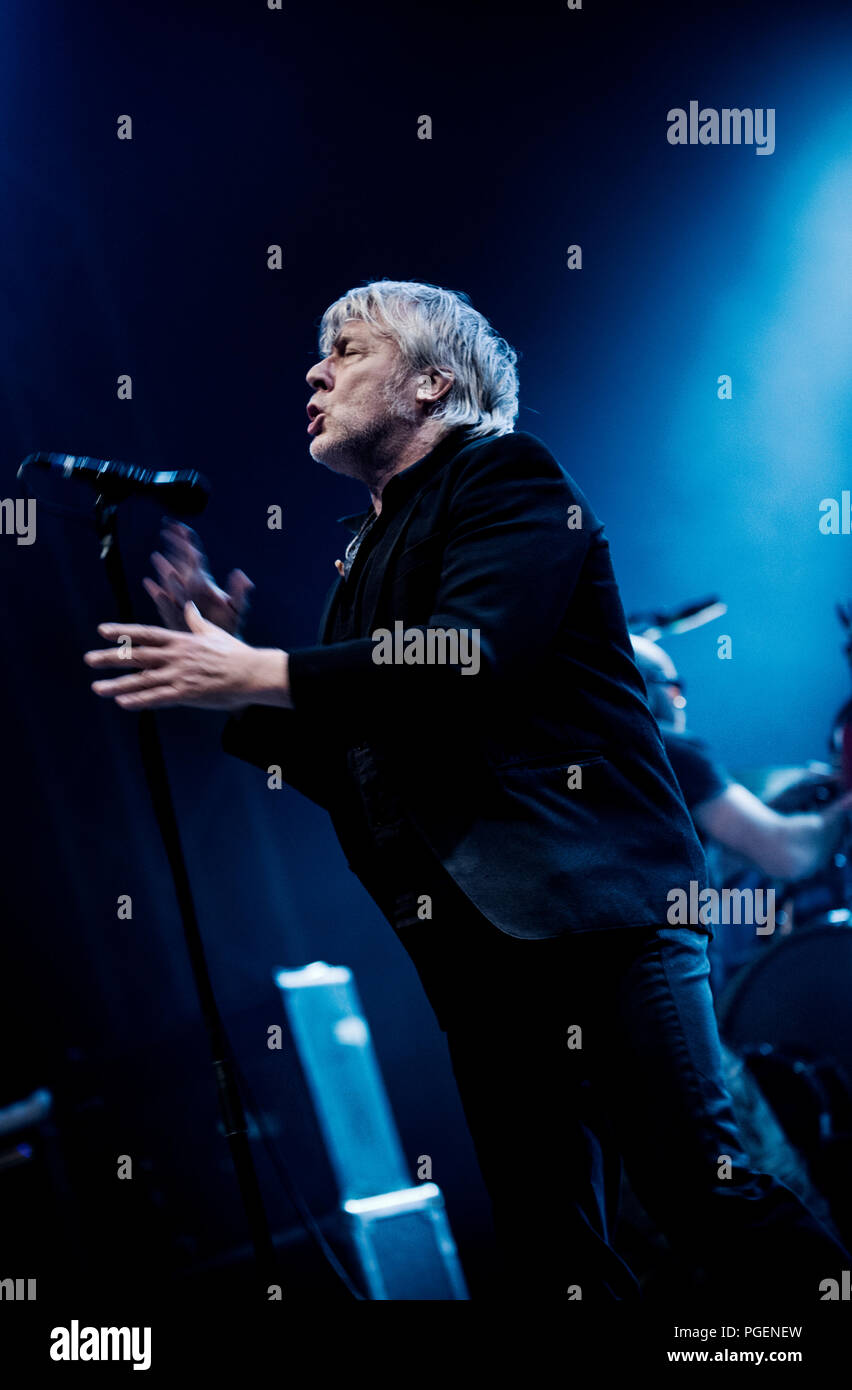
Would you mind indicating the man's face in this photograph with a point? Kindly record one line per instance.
(665, 692)
(360, 405)
(671, 694)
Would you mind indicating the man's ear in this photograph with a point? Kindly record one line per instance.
(433, 385)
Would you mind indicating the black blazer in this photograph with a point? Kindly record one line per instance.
(476, 535)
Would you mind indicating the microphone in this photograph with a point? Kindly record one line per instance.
(674, 621)
(184, 490)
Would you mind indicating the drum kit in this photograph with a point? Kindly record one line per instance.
(785, 1012)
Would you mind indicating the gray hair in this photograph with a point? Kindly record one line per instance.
(437, 328)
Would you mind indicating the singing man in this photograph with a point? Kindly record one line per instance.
(498, 783)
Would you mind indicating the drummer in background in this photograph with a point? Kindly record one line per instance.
(787, 847)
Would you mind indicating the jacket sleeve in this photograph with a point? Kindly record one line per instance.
(510, 565)
(267, 737)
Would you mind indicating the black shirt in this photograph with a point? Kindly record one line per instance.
(700, 778)
(388, 851)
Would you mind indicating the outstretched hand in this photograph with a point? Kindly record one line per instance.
(204, 667)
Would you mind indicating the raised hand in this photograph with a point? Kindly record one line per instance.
(185, 578)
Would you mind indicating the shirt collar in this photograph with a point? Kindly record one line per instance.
(403, 484)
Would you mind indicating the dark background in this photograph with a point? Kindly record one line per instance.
(148, 257)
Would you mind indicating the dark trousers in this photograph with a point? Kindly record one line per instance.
(575, 1053)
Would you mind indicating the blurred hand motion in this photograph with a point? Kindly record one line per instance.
(184, 577)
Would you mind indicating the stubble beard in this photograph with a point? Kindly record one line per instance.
(367, 450)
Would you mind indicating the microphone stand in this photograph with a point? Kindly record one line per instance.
(156, 777)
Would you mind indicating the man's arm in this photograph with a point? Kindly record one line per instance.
(787, 847)
(510, 564)
(204, 667)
